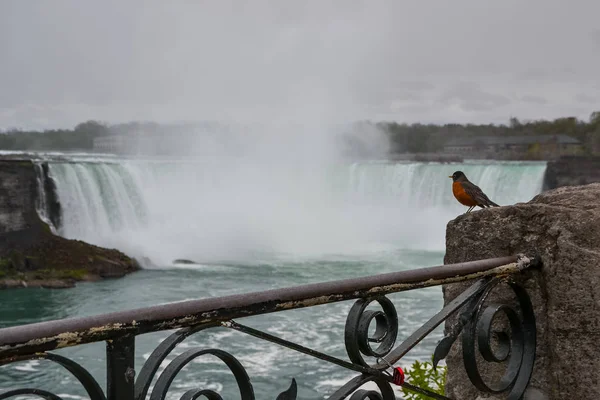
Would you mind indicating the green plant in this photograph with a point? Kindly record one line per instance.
(423, 375)
(5, 264)
(77, 274)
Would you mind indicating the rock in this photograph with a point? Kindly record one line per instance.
(572, 171)
(44, 260)
(533, 393)
(563, 227)
(183, 261)
(37, 283)
(30, 254)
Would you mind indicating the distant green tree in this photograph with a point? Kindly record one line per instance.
(79, 138)
(515, 123)
(93, 128)
(401, 138)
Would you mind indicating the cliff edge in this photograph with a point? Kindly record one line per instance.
(563, 227)
(30, 254)
(572, 171)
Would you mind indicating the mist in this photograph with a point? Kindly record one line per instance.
(246, 192)
(285, 82)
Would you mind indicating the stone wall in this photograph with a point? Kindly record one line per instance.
(572, 171)
(563, 227)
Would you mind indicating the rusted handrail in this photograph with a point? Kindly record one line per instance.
(50, 335)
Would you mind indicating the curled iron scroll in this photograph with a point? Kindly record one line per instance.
(148, 371)
(159, 355)
(166, 378)
(356, 334)
(35, 392)
(360, 344)
(516, 349)
(88, 382)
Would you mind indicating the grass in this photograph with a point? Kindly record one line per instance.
(76, 274)
(7, 271)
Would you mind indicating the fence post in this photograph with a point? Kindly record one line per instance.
(120, 368)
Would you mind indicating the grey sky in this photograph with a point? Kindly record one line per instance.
(62, 62)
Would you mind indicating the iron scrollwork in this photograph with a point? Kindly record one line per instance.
(370, 337)
(44, 394)
(165, 379)
(350, 389)
(516, 348)
(88, 382)
(356, 338)
(360, 344)
(356, 333)
(476, 322)
(150, 367)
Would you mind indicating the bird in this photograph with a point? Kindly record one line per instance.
(469, 194)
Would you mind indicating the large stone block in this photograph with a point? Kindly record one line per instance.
(563, 227)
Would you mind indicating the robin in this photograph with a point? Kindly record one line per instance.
(469, 194)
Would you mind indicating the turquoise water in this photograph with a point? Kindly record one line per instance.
(270, 367)
(354, 221)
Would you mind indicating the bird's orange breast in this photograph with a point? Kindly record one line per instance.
(461, 195)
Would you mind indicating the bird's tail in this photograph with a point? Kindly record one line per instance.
(491, 203)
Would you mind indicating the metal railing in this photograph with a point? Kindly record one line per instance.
(119, 331)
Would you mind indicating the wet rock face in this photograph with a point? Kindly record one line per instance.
(30, 255)
(17, 195)
(563, 227)
(572, 171)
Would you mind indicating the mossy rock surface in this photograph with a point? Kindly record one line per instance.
(36, 257)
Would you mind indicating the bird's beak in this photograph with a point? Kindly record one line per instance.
(450, 176)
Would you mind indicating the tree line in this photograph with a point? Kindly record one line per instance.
(79, 138)
(402, 138)
(425, 138)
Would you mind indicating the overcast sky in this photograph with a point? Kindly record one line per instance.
(62, 62)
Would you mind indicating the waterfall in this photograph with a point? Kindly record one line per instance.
(426, 185)
(411, 203)
(99, 201)
(204, 210)
(42, 203)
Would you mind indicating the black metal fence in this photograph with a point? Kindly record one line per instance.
(369, 337)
